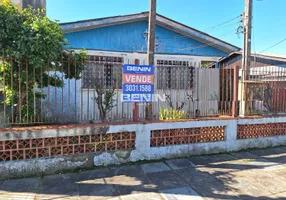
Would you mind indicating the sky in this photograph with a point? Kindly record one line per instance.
(268, 28)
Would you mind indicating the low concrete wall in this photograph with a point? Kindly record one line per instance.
(142, 150)
(44, 166)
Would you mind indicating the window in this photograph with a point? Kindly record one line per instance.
(109, 75)
(172, 74)
(103, 70)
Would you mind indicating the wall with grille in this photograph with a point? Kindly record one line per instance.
(46, 150)
(62, 146)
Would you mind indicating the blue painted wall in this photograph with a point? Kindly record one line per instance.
(129, 37)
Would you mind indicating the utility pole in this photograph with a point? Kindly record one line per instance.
(151, 47)
(246, 56)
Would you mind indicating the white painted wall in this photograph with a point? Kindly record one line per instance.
(73, 103)
(143, 150)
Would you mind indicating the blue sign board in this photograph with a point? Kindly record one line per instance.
(137, 83)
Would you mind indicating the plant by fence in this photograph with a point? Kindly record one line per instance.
(166, 114)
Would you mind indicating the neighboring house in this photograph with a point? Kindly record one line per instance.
(257, 60)
(113, 41)
(267, 84)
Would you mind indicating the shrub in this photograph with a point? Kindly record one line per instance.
(166, 114)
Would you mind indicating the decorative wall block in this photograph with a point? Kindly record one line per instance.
(60, 146)
(186, 136)
(260, 130)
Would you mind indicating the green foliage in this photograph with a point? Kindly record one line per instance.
(204, 64)
(31, 46)
(104, 99)
(166, 114)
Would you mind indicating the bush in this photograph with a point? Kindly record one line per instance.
(166, 114)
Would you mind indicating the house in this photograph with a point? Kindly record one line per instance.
(266, 84)
(257, 60)
(113, 41)
(129, 33)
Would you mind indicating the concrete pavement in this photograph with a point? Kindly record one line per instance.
(256, 175)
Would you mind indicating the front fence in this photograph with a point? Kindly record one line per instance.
(54, 94)
(62, 93)
(265, 92)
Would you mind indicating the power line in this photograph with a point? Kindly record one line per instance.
(222, 27)
(204, 45)
(273, 45)
(213, 27)
(182, 36)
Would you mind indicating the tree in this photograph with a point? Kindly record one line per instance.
(32, 45)
(104, 99)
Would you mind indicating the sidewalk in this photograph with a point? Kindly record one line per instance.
(255, 175)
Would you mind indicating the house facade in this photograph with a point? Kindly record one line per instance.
(256, 60)
(267, 80)
(113, 41)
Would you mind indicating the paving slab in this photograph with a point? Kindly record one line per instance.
(166, 180)
(194, 176)
(199, 160)
(244, 187)
(274, 168)
(267, 181)
(130, 180)
(215, 190)
(92, 185)
(95, 174)
(182, 193)
(97, 190)
(254, 160)
(131, 170)
(268, 151)
(180, 163)
(19, 189)
(155, 167)
(261, 163)
(61, 186)
(280, 173)
(141, 196)
(21, 185)
(280, 196)
(245, 155)
(277, 155)
(227, 167)
(221, 158)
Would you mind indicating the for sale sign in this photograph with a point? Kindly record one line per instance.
(137, 83)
